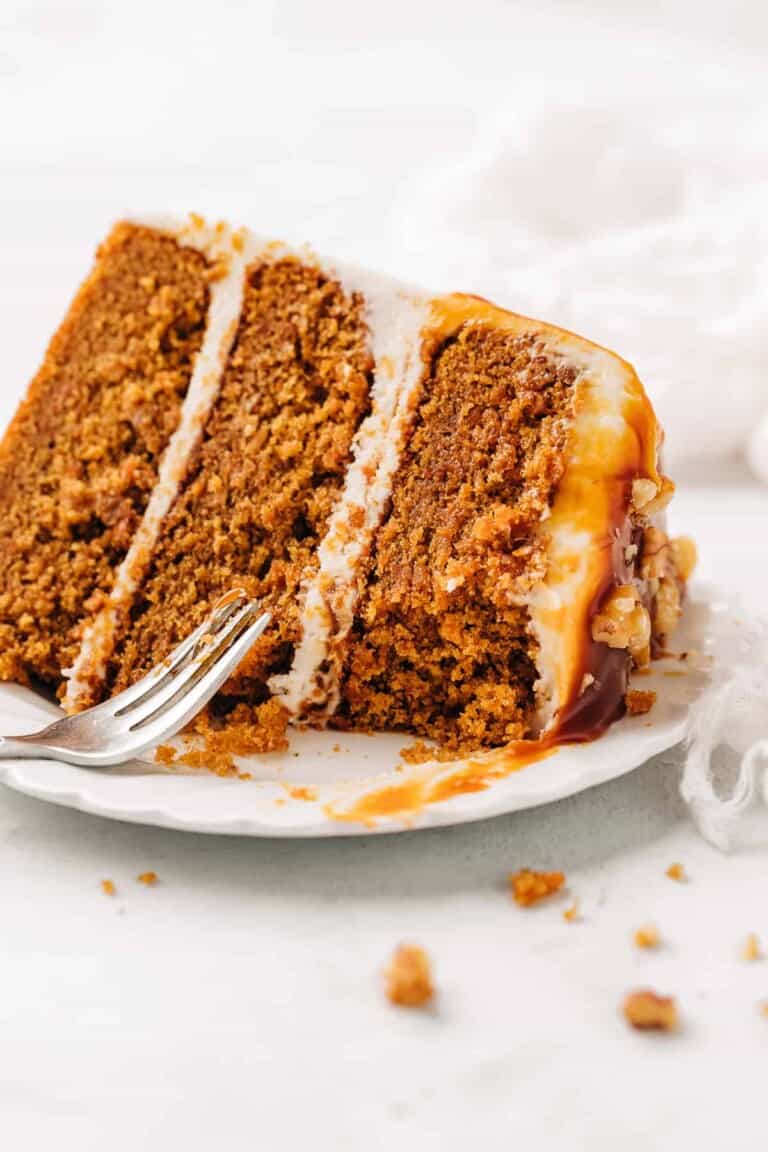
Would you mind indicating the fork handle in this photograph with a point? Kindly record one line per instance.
(19, 748)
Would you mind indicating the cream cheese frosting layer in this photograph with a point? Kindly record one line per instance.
(229, 254)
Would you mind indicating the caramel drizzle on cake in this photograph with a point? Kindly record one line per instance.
(476, 551)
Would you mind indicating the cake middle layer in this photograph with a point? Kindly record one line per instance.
(442, 644)
(261, 486)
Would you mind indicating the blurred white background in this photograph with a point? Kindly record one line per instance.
(602, 163)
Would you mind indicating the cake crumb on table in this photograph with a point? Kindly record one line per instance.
(639, 702)
(147, 878)
(647, 937)
(677, 872)
(529, 887)
(752, 949)
(108, 887)
(409, 977)
(572, 913)
(648, 1012)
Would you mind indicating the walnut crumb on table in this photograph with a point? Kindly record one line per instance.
(647, 936)
(408, 977)
(529, 887)
(108, 887)
(752, 949)
(648, 1012)
(147, 878)
(677, 872)
(639, 702)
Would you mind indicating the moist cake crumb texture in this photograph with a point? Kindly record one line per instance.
(257, 498)
(79, 462)
(454, 514)
(441, 645)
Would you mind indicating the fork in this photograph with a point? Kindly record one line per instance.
(158, 705)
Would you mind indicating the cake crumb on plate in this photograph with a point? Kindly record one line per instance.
(677, 872)
(639, 702)
(147, 878)
(108, 887)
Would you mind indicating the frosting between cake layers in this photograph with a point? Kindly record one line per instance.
(229, 253)
(395, 320)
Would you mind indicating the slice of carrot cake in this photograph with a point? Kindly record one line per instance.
(454, 513)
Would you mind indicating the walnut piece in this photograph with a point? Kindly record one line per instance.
(638, 702)
(623, 622)
(650, 498)
(408, 977)
(647, 1011)
(684, 555)
(667, 607)
(529, 887)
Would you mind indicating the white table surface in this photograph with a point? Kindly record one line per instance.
(238, 1004)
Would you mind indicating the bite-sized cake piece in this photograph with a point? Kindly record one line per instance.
(454, 513)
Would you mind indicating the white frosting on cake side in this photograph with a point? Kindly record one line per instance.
(229, 253)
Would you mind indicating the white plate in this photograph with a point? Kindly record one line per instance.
(311, 789)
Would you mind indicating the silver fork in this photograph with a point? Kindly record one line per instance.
(159, 704)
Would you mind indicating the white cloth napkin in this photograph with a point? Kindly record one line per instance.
(725, 774)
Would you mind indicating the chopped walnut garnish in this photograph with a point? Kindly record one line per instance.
(108, 887)
(656, 554)
(408, 977)
(667, 607)
(623, 622)
(572, 913)
(676, 872)
(147, 878)
(638, 702)
(684, 555)
(528, 887)
(648, 498)
(647, 937)
(647, 1011)
(751, 949)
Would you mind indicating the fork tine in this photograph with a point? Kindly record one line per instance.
(133, 696)
(206, 680)
(197, 662)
